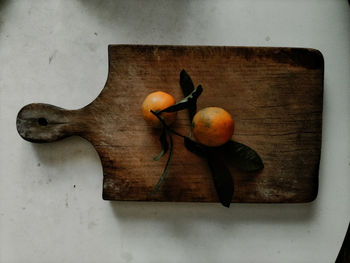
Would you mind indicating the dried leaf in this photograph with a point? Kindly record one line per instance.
(164, 143)
(222, 178)
(241, 156)
(187, 87)
(195, 147)
(166, 168)
(186, 102)
(221, 174)
(186, 83)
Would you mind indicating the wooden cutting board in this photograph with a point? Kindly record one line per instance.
(274, 95)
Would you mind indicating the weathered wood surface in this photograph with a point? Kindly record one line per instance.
(274, 94)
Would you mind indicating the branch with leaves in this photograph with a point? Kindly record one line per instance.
(237, 154)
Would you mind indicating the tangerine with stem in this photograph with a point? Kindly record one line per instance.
(212, 126)
(157, 101)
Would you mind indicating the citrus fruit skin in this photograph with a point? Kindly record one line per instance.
(157, 101)
(212, 126)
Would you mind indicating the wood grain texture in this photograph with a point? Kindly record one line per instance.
(274, 95)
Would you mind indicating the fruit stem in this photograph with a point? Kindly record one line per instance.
(165, 125)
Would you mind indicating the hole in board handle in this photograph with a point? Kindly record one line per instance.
(42, 121)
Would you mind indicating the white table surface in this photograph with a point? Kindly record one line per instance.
(51, 209)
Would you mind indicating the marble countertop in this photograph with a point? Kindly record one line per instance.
(51, 209)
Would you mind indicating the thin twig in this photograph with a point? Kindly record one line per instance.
(165, 172)
(165, 125)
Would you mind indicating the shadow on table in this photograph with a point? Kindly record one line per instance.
(3, 5)
(213, 212)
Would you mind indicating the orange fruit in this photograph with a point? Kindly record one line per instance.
(212, 126)
(157, 101)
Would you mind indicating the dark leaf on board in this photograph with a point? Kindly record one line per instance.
(241, 156)
(222, 178)
(195, 147)
(186, 102)
(186, 83)
(166, 168)
(164, 143)
(187, 87)
(221, 174)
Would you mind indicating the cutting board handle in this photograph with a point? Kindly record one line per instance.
(38, 122)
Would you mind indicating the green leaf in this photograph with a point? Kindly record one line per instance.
(166, 168)
(221, 174)
(191, 99)
(222, 178)
(241, 156)
(160, 118)
(187, 87)
(164, 143)
(186, 83)
(196, 147)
